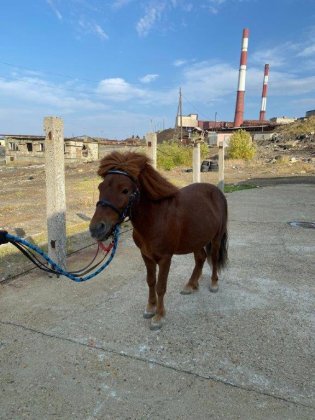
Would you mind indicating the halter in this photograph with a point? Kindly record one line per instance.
(126, 212)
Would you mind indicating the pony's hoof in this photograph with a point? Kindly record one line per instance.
(214, 289)
(156, 324)
(148, 315)
(187, 291)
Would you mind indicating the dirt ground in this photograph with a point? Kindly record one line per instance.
(23, 194)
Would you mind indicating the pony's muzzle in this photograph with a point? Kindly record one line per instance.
(100, 231)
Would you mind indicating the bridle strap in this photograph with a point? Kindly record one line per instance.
(106, 203)
(126, 211)
(118, 172)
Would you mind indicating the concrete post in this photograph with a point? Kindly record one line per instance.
(221, 166)
(55, 189)
(151, 139)
(196, 162)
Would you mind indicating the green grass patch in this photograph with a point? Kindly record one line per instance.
(232, 188)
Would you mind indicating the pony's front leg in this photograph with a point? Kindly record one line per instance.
(150, 309)
(164, 268)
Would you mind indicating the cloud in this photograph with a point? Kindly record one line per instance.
(93, 28)
(213, 6)
(179, 62)
(148, 78)
(118, 4)
(307, 51)
(117, 89)
(153, 14)
(286, 84)
(54, 9)
(207, 81)
(287, 53)
(37, 91)
(277, 56)
(100, 32)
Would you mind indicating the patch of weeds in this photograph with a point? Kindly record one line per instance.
(239, 187)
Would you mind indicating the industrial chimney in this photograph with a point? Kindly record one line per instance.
(262, 114)
(239, 108)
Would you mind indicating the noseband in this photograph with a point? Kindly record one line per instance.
(126, 212)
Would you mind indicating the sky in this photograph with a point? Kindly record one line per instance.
(114, 68)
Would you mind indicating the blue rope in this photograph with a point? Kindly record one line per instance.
(60, 270)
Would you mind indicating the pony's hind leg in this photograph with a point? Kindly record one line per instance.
(150, 309)
(192, 285)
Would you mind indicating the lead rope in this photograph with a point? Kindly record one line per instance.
(51, 267)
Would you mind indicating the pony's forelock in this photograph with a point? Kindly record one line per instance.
(130, 162)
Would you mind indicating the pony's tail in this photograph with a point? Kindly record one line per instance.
(223, 251)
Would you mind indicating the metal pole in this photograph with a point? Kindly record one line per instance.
(221, 166)
(55, 190)
(196, 162)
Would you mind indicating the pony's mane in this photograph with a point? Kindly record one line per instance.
(138, 165)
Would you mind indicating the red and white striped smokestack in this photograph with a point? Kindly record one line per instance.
(239, 108)
(262, 114)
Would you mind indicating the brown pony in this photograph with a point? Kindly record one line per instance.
(166, 220)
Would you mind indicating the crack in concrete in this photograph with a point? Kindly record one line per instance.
(155, 362)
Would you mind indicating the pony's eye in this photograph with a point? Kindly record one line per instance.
(125, 191)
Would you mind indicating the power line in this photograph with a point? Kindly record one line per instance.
(199, 113)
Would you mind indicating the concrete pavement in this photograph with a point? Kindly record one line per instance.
(83, 351)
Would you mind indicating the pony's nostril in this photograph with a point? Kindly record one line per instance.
(101, 226)
(98, 230)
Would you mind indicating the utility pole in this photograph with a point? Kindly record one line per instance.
(181, 114)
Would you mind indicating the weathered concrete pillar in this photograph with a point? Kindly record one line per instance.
(151, 139)
(55, 189)
(221, 166)
(196, 162)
